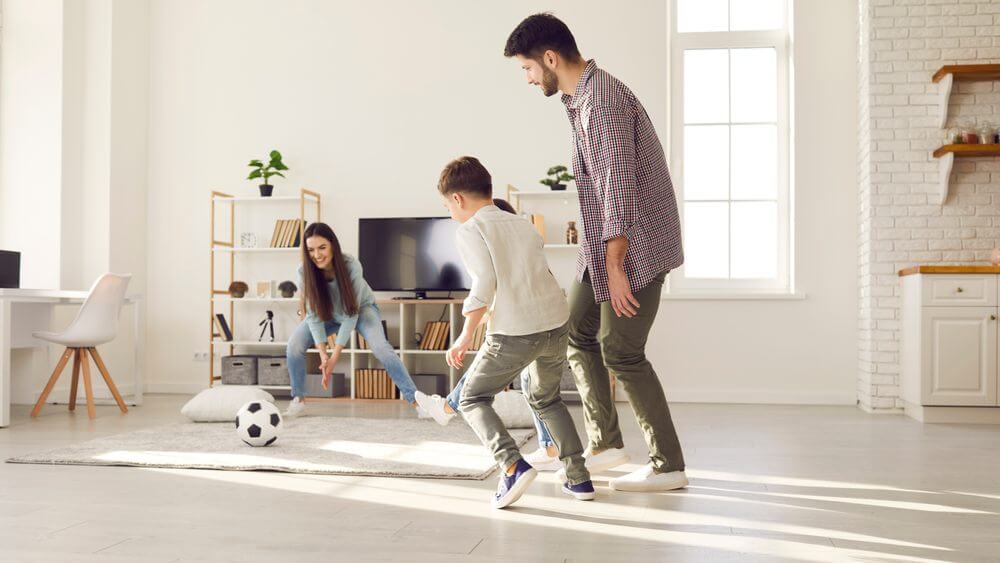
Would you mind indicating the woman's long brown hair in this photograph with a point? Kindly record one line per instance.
(316, 294)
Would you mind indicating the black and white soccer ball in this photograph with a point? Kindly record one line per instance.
(258, 423)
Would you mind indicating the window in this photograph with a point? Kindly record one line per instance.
(729, 144)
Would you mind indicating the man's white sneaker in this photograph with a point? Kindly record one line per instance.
(540, 460)
(422, 414)
(434, 406)
(295, 407)
(608, 459)
(646, 480)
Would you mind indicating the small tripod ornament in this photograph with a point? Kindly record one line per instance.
(267, 323)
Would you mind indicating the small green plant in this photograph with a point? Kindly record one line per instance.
(265, 171)
(556, 176)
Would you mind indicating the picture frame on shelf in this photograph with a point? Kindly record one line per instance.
(265, 289)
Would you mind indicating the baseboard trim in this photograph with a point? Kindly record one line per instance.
(953, 415)
(176, 388)
(756, 397)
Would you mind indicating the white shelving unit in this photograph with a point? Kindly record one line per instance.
(227, 249)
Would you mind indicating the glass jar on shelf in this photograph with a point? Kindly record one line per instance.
(953, 136)
(970, 135)
(986, 132)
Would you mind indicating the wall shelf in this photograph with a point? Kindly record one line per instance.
(961, 151)
(947, 155)
(947, 75)
(945, 78)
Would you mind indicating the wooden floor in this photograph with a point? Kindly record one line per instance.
(767, 484)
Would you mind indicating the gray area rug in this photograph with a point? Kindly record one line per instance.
(318, 445)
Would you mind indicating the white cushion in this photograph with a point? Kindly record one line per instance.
(513, 409)
(220, 403)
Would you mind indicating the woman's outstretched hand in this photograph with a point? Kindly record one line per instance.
(326, 367)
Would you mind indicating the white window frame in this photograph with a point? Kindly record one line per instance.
(779, 40)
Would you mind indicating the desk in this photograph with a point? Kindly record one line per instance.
(23, 311)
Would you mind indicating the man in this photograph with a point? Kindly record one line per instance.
(631, 240)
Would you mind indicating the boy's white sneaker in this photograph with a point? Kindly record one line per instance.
(422, 414)
(434, 406)
(540, 460)
(646, 480)
(295, 407)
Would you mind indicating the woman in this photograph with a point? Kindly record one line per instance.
(443, 409)
(337, 300)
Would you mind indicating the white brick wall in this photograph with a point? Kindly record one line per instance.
(902, 43)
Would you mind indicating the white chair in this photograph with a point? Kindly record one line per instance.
(95, 324)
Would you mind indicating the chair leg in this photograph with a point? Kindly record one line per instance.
(52, 382)
(91, 411)
(107, 379)
(76, 380)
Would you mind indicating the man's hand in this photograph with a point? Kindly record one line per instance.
(622, 300)
(456, 354)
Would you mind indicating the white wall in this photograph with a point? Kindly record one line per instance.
(31, 161)
(73, 95)
(368, 100)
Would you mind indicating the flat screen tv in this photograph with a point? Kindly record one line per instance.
(411, 254)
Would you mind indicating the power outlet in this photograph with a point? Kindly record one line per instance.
(201, 356)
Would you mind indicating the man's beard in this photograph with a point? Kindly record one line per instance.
(550, 83)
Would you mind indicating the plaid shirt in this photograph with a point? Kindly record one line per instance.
(623, 183)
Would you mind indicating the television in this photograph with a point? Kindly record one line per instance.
(10, 269)
(411, 254)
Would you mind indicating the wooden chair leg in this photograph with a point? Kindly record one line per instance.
(52, 382)
(76, 380)
(107, 379)
(91, 411)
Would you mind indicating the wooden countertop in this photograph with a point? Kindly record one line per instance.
(956, 269)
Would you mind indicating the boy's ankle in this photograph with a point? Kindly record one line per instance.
(552, 451)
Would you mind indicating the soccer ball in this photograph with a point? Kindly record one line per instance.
(258, 423)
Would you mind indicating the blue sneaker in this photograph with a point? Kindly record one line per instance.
(580, 491)
(511, 487)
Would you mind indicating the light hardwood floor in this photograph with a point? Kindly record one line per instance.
(768, 483)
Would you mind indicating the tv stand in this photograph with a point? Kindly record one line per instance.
(421, 296)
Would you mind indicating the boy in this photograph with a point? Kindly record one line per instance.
(503, 254)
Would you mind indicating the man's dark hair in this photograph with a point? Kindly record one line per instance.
(540, 33)
(466, 174)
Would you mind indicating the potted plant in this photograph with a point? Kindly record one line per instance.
(556, 176)
(238, 289)
(265, 171)
(287, 289)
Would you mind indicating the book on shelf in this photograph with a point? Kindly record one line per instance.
(538, 220)
(223, 326)
(274, 236)
(478, 337)
(287, 233)
(373, 384)
(436, 336)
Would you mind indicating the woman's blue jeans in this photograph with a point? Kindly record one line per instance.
(370, 326)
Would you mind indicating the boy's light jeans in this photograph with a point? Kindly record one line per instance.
(544, 439)
(498, 362)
